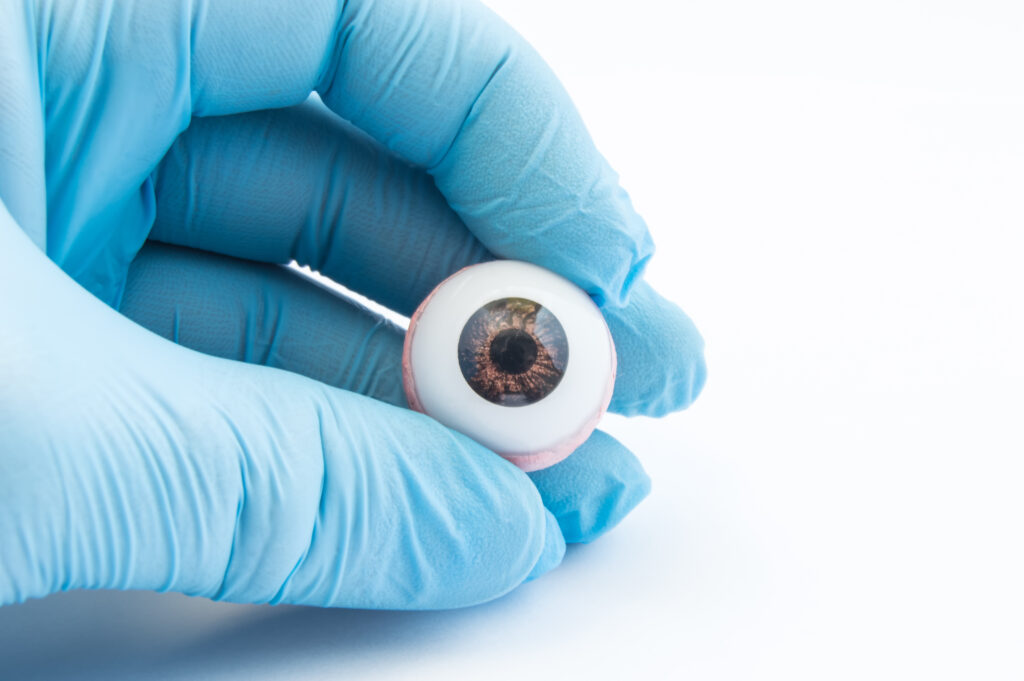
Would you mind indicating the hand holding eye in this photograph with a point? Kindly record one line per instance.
(295, 474)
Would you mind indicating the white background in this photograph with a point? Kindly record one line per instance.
(835, 189)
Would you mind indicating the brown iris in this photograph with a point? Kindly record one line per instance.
(513, 352)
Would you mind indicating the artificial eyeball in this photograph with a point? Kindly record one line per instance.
(514, 356)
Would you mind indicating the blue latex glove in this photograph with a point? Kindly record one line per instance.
(295, 475)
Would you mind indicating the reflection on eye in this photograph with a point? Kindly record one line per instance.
(501, 334)
(513, 352)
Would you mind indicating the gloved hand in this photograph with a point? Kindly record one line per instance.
(295, 475)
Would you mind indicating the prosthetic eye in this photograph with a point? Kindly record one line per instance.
(514, 356)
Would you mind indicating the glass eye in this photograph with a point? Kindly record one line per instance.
(514, 356)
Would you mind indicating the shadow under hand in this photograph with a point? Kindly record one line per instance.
(144, 635)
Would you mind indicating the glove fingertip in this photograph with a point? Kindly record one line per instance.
(662, 368)
(634, 488)
(591, 491)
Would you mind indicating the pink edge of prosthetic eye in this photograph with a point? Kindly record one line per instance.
(514, 356)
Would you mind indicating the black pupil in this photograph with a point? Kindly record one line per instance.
(513, 351)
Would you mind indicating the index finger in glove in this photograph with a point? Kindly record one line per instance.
(445, 84)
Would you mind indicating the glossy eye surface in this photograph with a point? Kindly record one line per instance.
(514, 356)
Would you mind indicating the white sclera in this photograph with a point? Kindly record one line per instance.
(577, 400)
